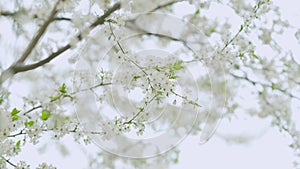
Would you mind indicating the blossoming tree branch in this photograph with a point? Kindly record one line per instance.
(136, 77)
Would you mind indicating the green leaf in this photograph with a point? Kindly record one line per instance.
(62, 89)
(259, 4)
(174, 77)
(197, 12)
(29, 123)
(53, 98)
(1, 100)
(14, 114)
(176, 161)
(273, 86)
(45, 115)
(255, 56)
(136, 77)
(170, 67)
(157, 68)
(17, 146)
(178, 65)
(15, 117)
(160, 93)
(212, 30)
(236, 67)
(241, 55)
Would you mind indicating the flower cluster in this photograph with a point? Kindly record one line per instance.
(45, 166)
(247, 51)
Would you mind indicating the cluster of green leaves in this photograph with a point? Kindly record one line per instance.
(17, 146)
(62, 93)
(159, 96)
(175, 67)
(15, 114)
(250, 53)
(29, 123)
(62, 89)
(45, 115)
(1, 100)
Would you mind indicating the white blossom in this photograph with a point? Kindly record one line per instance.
(45, 166)
(22, 165)
(121, 83)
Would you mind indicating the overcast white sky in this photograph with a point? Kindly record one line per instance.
(269, 149)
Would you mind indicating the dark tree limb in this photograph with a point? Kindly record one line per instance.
(9, 162)
(19, 67)
(165, 5)
(7, 13)
(39, 35)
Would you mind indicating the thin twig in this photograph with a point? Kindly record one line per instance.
(38, 36)
(7, 13)
(101, 20)
(246, 78)
(186, 99)
(184, 43)
(30, 110)
(91, 88)
(17, 68)
(256, 7)
(13, 14)
(131, 24)
(140, 111)
(132, 61)
(23, 68)
(62, 19)
(17, 134)
(9, 162)
(164, 5)
(233, 38)
(156, 8)
(64, 96)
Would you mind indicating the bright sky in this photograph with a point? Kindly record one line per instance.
(268, 149)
